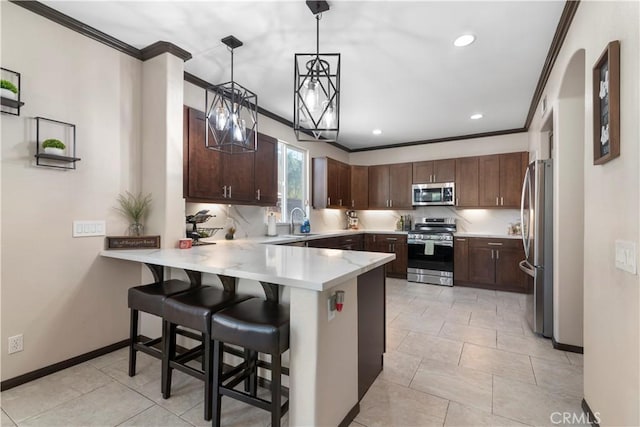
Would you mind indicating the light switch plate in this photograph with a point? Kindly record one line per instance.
(626, 256)
(89, 228)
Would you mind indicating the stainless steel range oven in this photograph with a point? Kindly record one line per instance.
(430, 246)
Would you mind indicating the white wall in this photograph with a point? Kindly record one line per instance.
(611, 207)
(443, 150)
(55, 289)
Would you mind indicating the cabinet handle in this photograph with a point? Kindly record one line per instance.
(391, 239)
(390, 203)
(461, 240)
(229, 191)
(501, 201)
(497, 254)
(393, 247)
(328, 200)
(497, 204)
(457, 200)
(353, 203)
(258, 194)
(434, 178)
(340, 202)
(494, 244)
(224, 191)
(491, 253)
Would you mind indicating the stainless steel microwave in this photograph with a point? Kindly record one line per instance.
(438, 194)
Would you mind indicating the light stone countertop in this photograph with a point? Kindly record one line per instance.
(487, 235)
(300, 267)
(288, 238)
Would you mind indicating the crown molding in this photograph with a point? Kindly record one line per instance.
(569, 11)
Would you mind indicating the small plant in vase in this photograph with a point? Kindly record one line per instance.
(54, 146)
(135, 208)
(8, 90)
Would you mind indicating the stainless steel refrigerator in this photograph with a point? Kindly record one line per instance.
(536, 215)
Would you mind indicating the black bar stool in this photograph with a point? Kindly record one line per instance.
(149, 299)
(193, 310)
(259, 326)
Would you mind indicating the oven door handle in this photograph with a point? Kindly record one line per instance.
(435, 243)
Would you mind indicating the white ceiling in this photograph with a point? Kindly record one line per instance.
(400, 70)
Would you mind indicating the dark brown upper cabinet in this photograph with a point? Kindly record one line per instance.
(434, 171)
(331, 186)
(390, 186)
(210, 176)
(359, 187)
(467, 182)
(500, 180)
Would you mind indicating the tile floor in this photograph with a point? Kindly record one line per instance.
(455, 357)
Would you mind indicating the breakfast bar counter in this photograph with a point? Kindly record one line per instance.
(324, 359)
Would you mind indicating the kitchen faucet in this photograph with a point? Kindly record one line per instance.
(291, 226)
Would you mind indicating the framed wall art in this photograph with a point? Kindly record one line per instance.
(606, 105)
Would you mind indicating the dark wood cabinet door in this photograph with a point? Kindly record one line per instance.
(508, 274)
(467, 182)
(444, 170)
(489, 183)
(379, 187)
(203, 168)
(423, 172)
(359, 187)
(399, 265)
(333, 183)
(460, 259)
(482, 265)
(266, 171)
(239, 177)
(344, 185)
(511, 178)
(400, 179)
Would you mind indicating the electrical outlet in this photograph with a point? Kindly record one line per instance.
(331, 307)
(15, 344)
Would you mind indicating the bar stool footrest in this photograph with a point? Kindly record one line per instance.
(250, 400)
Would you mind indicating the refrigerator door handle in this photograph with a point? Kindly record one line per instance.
(527, 268)
(524, 228)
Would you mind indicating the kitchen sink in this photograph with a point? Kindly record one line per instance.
(299, 235)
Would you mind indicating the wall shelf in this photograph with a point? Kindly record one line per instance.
(10, 105)
(65, 132)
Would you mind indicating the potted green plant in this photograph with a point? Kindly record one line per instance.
(54, 146)
(135, 207)
(8, 90)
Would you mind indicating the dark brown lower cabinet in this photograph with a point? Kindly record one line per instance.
(489, 263)
(460, 260)
(390, 243)
(371, 327)
(350, 243)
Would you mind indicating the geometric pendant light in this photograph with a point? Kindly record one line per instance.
(316, 98)
(231, 113)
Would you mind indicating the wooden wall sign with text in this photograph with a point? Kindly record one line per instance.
(128, 242)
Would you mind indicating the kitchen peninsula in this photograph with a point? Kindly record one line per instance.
(324, 354)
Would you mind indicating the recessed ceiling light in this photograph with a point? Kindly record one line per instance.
(476, 116)
(376, 132)
(464, 40)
